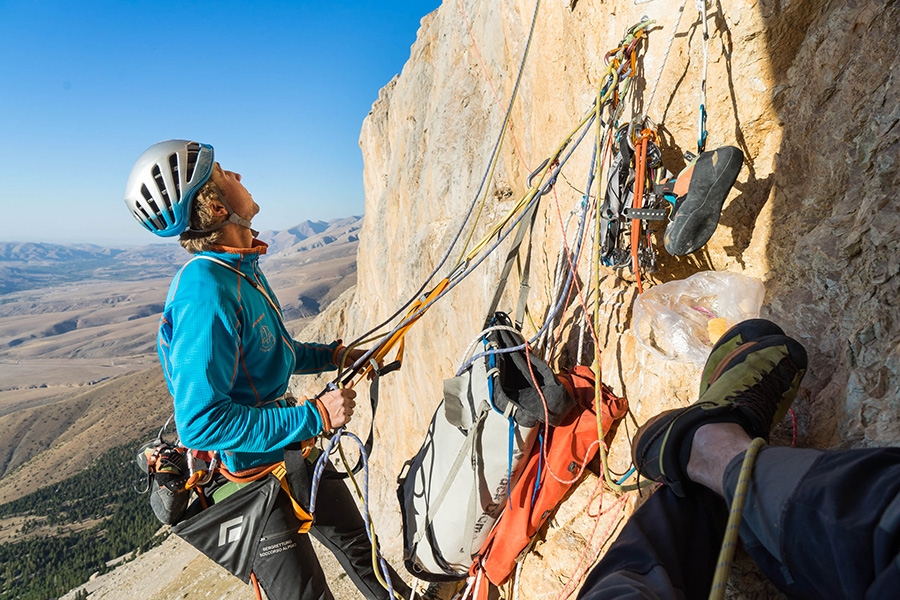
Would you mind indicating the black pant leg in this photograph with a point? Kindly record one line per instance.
(667, 550)
(340, 528)
(286, 564)
(839, 531)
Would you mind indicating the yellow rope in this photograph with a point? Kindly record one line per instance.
(487, 186)
(616, 58)
(729, 543)
(529, 195)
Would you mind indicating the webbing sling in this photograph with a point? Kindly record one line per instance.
(525, 226)
(640, 167)
(378, 355)
(397, 337)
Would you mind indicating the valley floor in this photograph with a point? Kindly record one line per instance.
(30, 382)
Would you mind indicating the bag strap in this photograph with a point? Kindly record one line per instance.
(525, 226)
(306, 519)
(464, 452)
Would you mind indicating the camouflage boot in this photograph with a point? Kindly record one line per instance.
(754, 388)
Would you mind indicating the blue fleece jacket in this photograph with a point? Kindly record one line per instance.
(227, 356)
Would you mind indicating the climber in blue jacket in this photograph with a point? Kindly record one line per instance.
(227, 358)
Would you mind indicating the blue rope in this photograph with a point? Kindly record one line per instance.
(628, 474)
(509, 457)
(364, 460)
(537, 482)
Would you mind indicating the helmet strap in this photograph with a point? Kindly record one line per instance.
(233, 217)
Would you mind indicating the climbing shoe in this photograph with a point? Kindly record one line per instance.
(700, 191)
(753, 387)
(731, 341)
(167, 472)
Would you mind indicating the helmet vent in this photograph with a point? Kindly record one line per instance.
(153, 207)
(141, 215)
(173, 165)
(161, 185)
(193, 151)
(164, 192)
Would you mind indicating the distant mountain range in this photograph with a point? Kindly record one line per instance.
(31, 265)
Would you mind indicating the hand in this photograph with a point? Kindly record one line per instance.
(339, 404)
(355, 354)
(352, 355)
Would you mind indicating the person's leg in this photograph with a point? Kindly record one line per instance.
(341, 529)
(667, 550)
(286, 564)
(824, 524)
(750, 379)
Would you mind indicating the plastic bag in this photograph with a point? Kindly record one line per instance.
(681, 320)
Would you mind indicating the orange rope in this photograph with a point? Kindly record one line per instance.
(255, 583)
(580, 569)
(640, 163)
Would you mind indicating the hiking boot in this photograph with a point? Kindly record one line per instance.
(754, 388)
(700, 192)
(728, 344)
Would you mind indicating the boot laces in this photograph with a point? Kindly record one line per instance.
(765, 396)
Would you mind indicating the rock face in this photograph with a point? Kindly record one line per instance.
(808, 90)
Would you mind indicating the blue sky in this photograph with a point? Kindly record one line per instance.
(279, 88)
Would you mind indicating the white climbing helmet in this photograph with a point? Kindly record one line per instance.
(163, 183)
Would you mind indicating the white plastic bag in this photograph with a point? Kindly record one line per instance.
(681, 320)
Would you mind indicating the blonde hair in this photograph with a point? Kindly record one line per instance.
(197, 239)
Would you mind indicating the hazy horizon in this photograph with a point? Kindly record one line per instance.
(145, 238)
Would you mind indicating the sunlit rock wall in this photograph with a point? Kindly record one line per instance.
(808, 90)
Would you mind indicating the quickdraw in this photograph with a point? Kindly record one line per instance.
(632, 202)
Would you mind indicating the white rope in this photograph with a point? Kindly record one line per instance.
(483, 334)
(478, 578)
(517, 578)
(664, 59)
(470, 581)
(583, 323)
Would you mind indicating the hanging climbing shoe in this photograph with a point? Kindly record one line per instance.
(167, 471)
(700, 191)
(754, 388)
(730, 343)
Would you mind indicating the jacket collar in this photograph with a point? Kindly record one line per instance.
(239, 257)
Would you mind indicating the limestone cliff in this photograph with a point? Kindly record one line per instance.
(808, 90)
